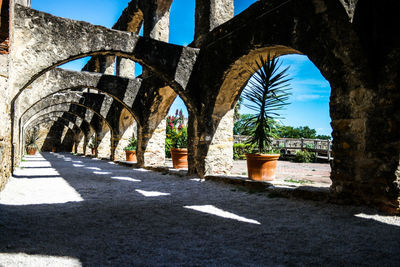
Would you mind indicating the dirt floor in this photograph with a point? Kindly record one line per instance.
(304, 173)
(65, 210)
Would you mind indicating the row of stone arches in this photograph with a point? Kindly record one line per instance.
(322, 30)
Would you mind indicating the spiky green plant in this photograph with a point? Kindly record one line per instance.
(267, 93)
(32, 138)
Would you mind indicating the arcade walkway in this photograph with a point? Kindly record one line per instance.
(61, 209)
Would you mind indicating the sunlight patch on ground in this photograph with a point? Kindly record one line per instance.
(142, 170)
(197, 180)
(111, 162)
(22, 259)
(36, 172)
(33, 164)
(77, 161)
(38, 191)
(125, 178)
(95, 159)
(102, 173)
(151, 193)
(221, 213)
(93, 168)
(78, 165)
(393, 220)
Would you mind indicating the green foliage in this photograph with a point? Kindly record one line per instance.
(278, 130)
(267, 92)
(305, 157)
(176, 135)
(31, 139)
(132, 144)
(239, 150)
(93, 143)
(323, 137)
(298, 181)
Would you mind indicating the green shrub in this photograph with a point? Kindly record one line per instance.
(132, 146)
(305, 157)
(239, 150)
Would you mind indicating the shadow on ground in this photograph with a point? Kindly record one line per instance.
(117, 225)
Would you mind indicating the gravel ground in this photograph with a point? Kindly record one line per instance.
(64, 210)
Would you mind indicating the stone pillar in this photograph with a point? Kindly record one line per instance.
(108, 65)
(81, 145)
(156, 22)
(104, 146)
(219, 159)
(156, 19)
(151, 144)
(210, 143)
(26, 3)
(210, 14)
(125, 68)
(124, 141)
(366, 154)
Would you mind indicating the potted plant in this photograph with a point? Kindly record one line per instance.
(176, 141)
(93, 145)
(130, 150)
(31, 142)
(267, 92)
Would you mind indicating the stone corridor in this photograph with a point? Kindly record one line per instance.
(61, 209)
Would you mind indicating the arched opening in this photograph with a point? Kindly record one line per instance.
(127, 130)
(302, 134)
(176, 129)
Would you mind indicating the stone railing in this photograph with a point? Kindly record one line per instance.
(289, 146)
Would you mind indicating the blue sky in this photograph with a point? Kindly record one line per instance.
(309, 102)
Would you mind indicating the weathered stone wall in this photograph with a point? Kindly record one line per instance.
(127, 129)
(5, 130)
(104, 139)
(221, 144)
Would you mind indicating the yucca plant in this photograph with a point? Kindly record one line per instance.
(267, 93)
(32, 138)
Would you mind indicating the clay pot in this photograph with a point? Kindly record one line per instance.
(179, 157)
(31, 151)
(130, 155)
(53, 149)
(262, 167)
(93, 151)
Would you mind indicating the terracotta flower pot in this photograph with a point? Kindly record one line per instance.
(179, 157)
(130, 155)
(31, 151)
(262, 167)
(53, 149)
(93, 151)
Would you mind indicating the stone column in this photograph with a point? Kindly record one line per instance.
(124, 141)
(156, 19)
(219, 159)
(210, 14)
(104, 147)
(108, 65)
(125, 68)
(81, 145)
(152, 128)
(151, 144)
(210, 143)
